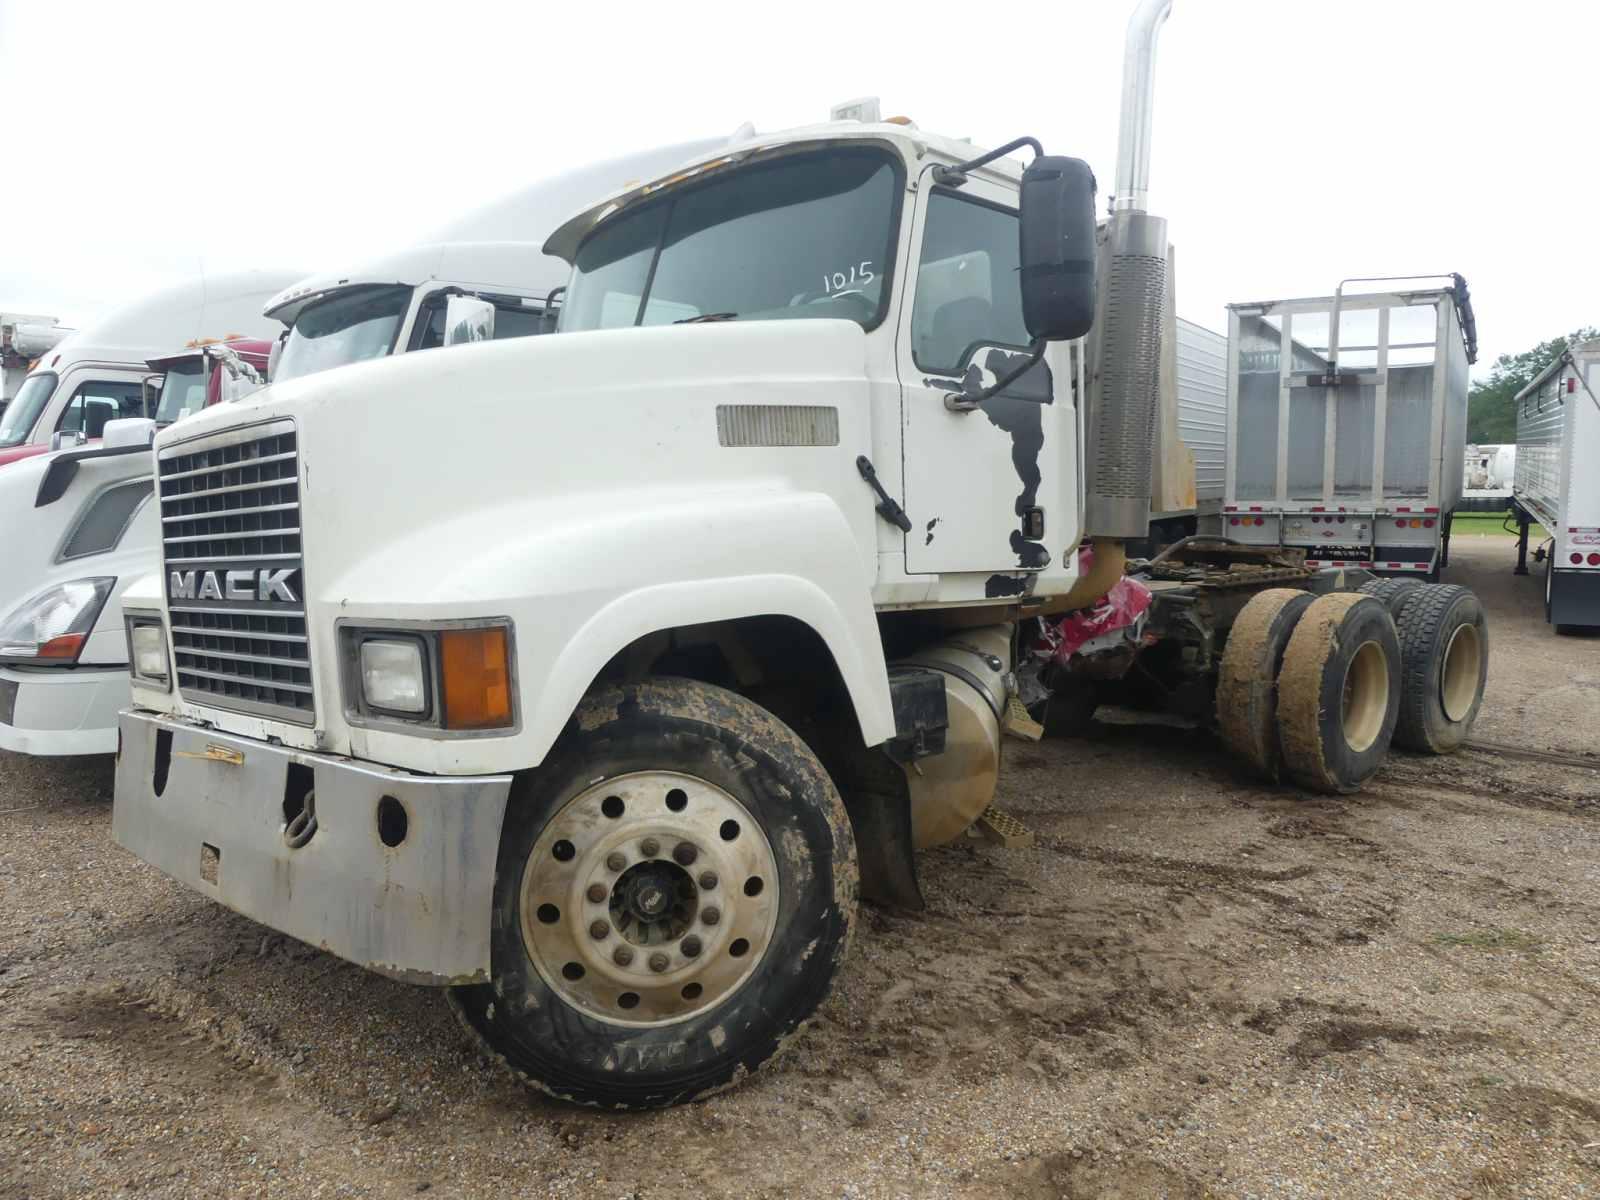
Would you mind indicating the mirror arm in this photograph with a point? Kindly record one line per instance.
(967, 401)
(957, 175)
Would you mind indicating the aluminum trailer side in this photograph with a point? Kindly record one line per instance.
(1202, 386)
(1558, 442)
(1347, 424)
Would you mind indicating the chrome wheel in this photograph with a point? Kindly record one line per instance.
(649, 898)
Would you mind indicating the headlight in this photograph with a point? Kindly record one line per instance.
(53, 626)
(454, 679)
(147, 650)
(393, 676)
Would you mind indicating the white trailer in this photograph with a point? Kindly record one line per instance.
(1347, 423)
(1558, 443)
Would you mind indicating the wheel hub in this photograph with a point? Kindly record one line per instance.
(653, 902)
(649, 898)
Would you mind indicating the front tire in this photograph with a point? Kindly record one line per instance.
(675, 892)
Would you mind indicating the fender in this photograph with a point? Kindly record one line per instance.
(580, 587)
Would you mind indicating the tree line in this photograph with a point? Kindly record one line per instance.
(1491, 416)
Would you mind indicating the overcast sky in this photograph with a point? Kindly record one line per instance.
(1296, 141)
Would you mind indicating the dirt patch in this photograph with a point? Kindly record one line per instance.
(1191, 985)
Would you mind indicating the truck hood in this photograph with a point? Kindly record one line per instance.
(554, 482)
(36, 539)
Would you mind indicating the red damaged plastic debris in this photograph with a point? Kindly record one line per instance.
(1118, 609)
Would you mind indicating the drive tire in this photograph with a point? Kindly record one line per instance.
(1444, 662)
(1339, 692)
(1393, 592)
(726, 750)
(1247, 682)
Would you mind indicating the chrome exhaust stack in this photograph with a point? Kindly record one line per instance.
(1125, 391)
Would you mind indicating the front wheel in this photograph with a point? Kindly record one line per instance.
(674, 894)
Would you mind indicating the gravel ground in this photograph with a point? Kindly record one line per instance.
(1191, 986)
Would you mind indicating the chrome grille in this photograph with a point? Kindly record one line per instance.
(230, 518)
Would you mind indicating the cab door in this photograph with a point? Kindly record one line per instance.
(990, 489)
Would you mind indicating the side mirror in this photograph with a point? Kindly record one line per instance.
(468, 319)
(1057, 249)
(62, 438)
(274, 355)
(128, 431)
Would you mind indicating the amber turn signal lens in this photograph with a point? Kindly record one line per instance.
(476, 674)
(66, 645)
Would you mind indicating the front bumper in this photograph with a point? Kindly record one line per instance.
(418, 910)
(53, 712)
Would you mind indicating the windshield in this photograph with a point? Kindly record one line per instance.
(351, 326)
(802, 237)
(25, 408)
(184, 391)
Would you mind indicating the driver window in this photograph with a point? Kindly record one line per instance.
(97, 402)
(968, 293)
(510, 320)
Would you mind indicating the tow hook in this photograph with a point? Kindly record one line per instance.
(303, 827)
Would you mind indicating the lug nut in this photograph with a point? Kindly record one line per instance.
(711, 915)
(684, 853)
(622, 956)
(690, 946)
(615, 861)
(597, 892)
(649, 847)
(599, 931)
(708, 880)
(659, 962)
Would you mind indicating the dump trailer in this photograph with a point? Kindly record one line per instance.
(604, 720)
(1347, 423)
(1557, 485)
(1191, 499)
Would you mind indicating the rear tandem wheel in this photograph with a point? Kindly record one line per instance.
(1247, 681)
(1339, 692)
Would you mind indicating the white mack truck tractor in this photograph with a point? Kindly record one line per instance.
(595, 678)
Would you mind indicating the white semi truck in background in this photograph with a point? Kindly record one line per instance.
(1557, 484)
(79, 528)
(76, 522)
(602, 715)
(97, 374)
(1347, 419)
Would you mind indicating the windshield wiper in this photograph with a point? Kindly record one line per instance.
(722, 316)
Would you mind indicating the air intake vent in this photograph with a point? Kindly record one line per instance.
(230, 537)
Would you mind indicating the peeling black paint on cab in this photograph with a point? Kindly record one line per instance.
(1018, 412)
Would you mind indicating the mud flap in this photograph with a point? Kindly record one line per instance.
(880, 815)
(877, 798)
